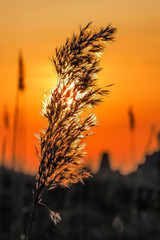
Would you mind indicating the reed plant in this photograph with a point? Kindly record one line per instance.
(61, 151)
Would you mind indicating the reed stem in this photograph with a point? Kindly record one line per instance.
(32, 216)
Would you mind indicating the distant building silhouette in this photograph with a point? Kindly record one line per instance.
(105, 164)
(104, 169)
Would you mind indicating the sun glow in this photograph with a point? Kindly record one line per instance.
(70, 93)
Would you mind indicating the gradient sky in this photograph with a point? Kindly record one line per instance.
(132, 62)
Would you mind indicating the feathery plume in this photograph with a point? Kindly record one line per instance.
(61, 151)
(21, 85)
(131, 119)
(6, 117)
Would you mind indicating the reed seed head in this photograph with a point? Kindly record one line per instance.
(61, 150)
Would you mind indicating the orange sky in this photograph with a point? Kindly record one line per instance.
(132, 62)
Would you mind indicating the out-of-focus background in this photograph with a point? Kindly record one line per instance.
(110, 204)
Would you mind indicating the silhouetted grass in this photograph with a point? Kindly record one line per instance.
(61, 151)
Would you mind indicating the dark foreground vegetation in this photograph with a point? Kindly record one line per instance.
(110, 206)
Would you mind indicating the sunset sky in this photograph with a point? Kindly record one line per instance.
(132, 62)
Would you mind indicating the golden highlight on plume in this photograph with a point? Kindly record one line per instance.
(61, 151)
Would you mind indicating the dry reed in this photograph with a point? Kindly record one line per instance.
(61, 151)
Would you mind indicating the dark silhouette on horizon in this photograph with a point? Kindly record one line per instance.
(109, 206)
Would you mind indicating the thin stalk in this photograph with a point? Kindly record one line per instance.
(150, 139)
(32, 216)
(3, 151)
(16, 113)
(132, 146)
